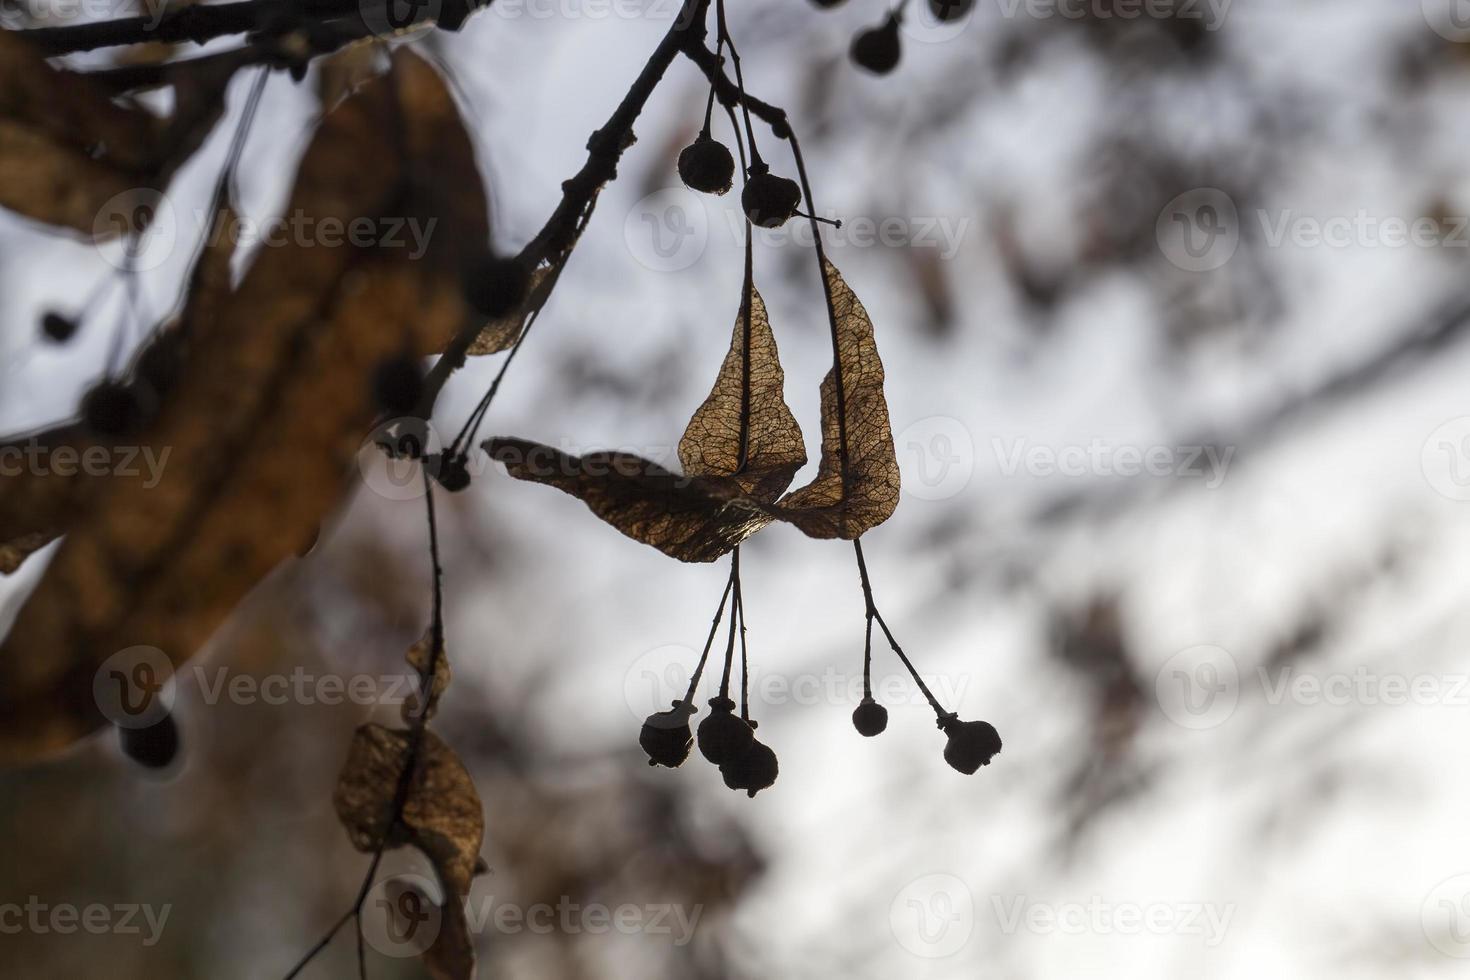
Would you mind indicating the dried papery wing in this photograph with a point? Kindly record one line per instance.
(418, 659)
(502, 333)
(70, 156)
(258, 436)
(446, 199)
(441, 815)
(342, 71)
(744, 429)
(450, 954)
(37, 499)
(857, 489)
(693, 519)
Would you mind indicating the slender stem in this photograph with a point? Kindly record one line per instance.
(579, 193)
(730, 643)
(710, 640)
(724, 40)
(868, 659)
(874, 614)
(837, 380)
(416, 728)
(744, 658)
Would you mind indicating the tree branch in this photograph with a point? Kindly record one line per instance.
(579, 193)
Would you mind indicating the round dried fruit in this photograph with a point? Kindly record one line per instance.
(665, 736)
(877, 49)
(869, 718)
(723, 736)
(706, 165)
(753, 770)
(770, 201)
(971, 744)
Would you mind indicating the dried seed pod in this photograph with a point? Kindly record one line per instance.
(58, 328)
(113, 409)
(162, 363)
(753, 770)
(452, 470)
(723, 735)
(870, 718)
(770, 201)
(154, 746)
(971, 744)
(877, 49)
(398, 384)
(706, 165)
(497, 287)
(666, 737)
(946, 11)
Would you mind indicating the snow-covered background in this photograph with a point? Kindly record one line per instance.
(1174, 313)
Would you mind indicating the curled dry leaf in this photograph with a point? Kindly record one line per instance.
(451, 953)
(857, 482)
(267, 416)
(67, 151)
(418, 659)
(694, 519)
(441, 816)
(502, 333)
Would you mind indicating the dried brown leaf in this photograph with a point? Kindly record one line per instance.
(853, 494)
(501, 334)
(67, 151)
(418, 659)
(694, 519)
(263, 425)
(441, 815)
(744, 429)
(451, 953)
(210, 281)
